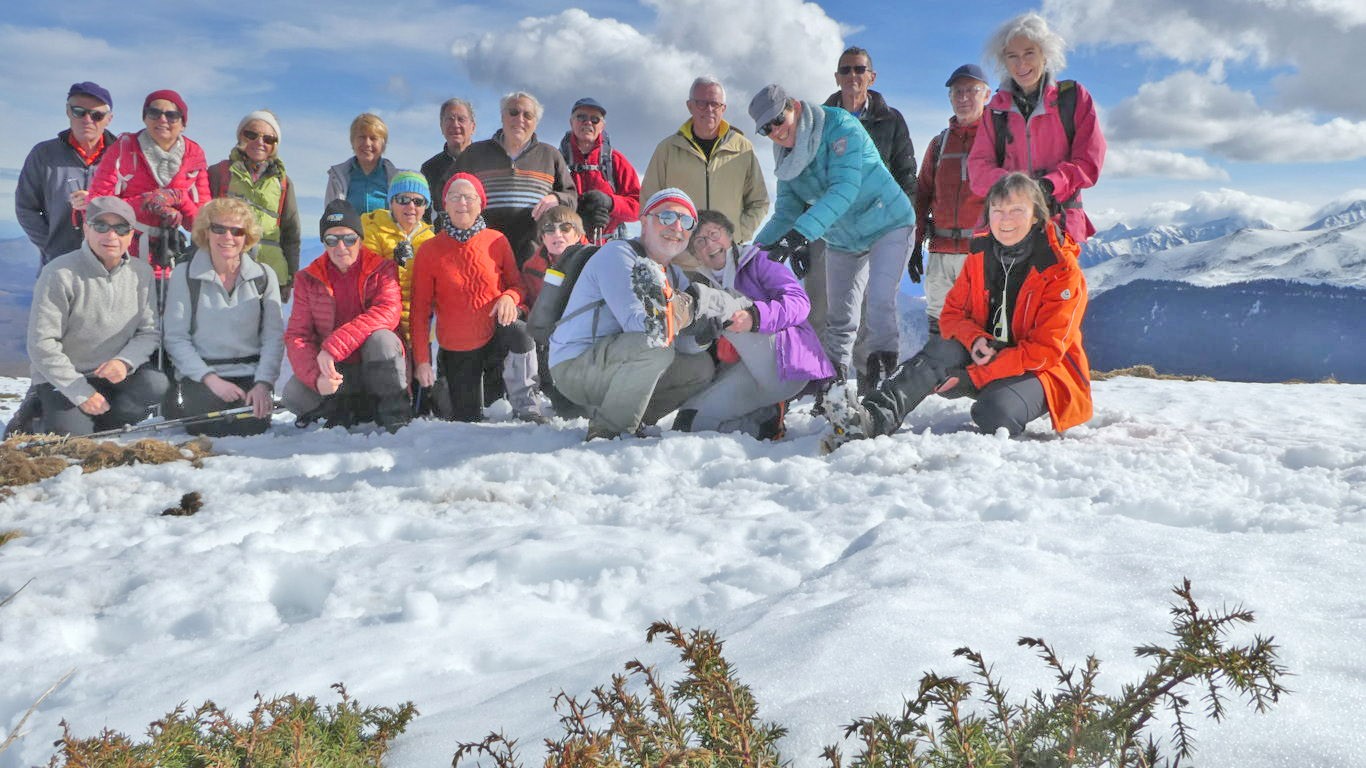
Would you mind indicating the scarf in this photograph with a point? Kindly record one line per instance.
(462, 235)
(789, 163)
(163, 163)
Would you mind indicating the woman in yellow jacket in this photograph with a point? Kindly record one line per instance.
(396, 232)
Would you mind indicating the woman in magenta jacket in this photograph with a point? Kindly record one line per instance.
(1029, 56)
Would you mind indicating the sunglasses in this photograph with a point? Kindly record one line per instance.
(768, 127)
(856, 69)
(417, 200)
(331, 240)
(586, 118)
(96, 115)
(103, 227)
(171, 115)
(250, 135)
(669, 218)
(224, 229)
(527, 113)
(566, 227)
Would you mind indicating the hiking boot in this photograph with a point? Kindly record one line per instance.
(600, 433)
(28, 416)
(393, 411)
(775, 428)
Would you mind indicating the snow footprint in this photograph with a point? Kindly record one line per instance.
(300, 593)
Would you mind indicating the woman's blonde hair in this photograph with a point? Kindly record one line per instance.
(225, 208)
(365, 123)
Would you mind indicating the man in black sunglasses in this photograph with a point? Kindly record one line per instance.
(608, 185)
(53, 184)
(93, 328)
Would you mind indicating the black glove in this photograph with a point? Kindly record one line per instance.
(1047, 186)
(956, 383)
(916, 266)
(595, 208)
(786, 245)
(403, 250)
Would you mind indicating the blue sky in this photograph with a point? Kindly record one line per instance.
(1211, 106)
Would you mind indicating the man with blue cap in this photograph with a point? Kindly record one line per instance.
(608, 185)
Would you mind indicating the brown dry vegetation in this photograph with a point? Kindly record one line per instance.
(22, 464)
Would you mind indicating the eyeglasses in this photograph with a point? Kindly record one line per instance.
(417, 200)
(527, 113)
(456, 197)
(710, 106)
(669, 218)
(565, 227)
(856, 69)
(95, 115)
(959, 92)
(250, 135)
(171, 115)
(586, 118)
(768, 127)
(714, 235)
(223, 229)
(103, 227)
(453, 118)
(331, 240)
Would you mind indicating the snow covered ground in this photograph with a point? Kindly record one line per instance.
(479, 569)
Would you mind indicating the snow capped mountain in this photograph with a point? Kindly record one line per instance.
(1121, 240)
(1339, 215)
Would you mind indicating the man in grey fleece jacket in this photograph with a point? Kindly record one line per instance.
(92, 328)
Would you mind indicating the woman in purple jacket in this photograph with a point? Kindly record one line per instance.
(767, 353)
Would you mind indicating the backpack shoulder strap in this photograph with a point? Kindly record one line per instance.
(1067, 108)
(193, 286)
(605, 162)
(1000, 121)
(939, 150)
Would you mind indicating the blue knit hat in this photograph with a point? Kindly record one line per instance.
(409, 181)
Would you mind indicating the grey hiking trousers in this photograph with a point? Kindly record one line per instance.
(623, 381)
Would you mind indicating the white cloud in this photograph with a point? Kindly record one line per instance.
(1225, 203)
(1127, 162)
(1191, 110)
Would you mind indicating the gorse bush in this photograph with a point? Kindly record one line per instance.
(286, 731)
(710, 720)
(706, 720)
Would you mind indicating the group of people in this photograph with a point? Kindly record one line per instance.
(421, 301)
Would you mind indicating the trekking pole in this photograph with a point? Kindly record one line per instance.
(230, 414)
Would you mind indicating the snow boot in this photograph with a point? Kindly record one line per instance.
(880, 366)
(28, 417)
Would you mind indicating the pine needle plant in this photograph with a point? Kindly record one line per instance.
(283, 732)
(708, 719)
(1076, 725)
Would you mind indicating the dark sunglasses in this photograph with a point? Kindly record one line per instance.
(103, 227)
(96, 115)
(417, 200)
(857, 69)
(566, 227)
(585, 118)
(331, 240)
(224, 229)
(171, 115)
(768, 127)
(669, 218)
(266, 137)
(515, 112)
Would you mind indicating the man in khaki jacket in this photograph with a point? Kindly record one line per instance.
(713, 162)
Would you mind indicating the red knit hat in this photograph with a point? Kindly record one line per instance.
(473, 180)
(171, 96)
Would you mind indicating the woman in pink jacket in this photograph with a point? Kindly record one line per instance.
(1038, 124)
(158, 171)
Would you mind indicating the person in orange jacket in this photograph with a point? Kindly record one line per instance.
(1011, 329)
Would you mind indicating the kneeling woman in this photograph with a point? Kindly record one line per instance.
(768, 352)
(1011, 328)
(223, 326)
(468, 279)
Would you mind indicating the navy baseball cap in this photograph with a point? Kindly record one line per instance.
(93, 90)
(589, 101)
(968, 70)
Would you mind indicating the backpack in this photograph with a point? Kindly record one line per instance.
(1067, 112)
(260, 282)
(548, 313)
(604, 163)
(220, 178)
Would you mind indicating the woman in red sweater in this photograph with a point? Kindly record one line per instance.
(467, 278)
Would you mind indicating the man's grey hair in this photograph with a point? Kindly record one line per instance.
(1032, 27)
(515, 95)
(449, 104)
(706, 81)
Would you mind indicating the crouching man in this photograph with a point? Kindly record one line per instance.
(618, 350)
(347, 358)
(92, 329)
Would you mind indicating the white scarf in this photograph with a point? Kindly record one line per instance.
(163, 163)
(789, 163)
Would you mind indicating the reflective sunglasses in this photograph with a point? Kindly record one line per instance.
(856, 69)
(331, 240)
(250, 135)
(583, 117)
(96, 115)
(566, 227)
(103, 227)
(224, 229)
(171, 115)
(768, 127)
(669, 218)
(417, 200)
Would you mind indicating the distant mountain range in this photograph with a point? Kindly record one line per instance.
(1121, 240)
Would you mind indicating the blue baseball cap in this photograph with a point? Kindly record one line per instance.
(588, 101)
(93, 90)
(967, 70)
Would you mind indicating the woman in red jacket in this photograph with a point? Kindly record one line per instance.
(467, 278)
(347, 358)
(159, 172)
(1011, 331)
